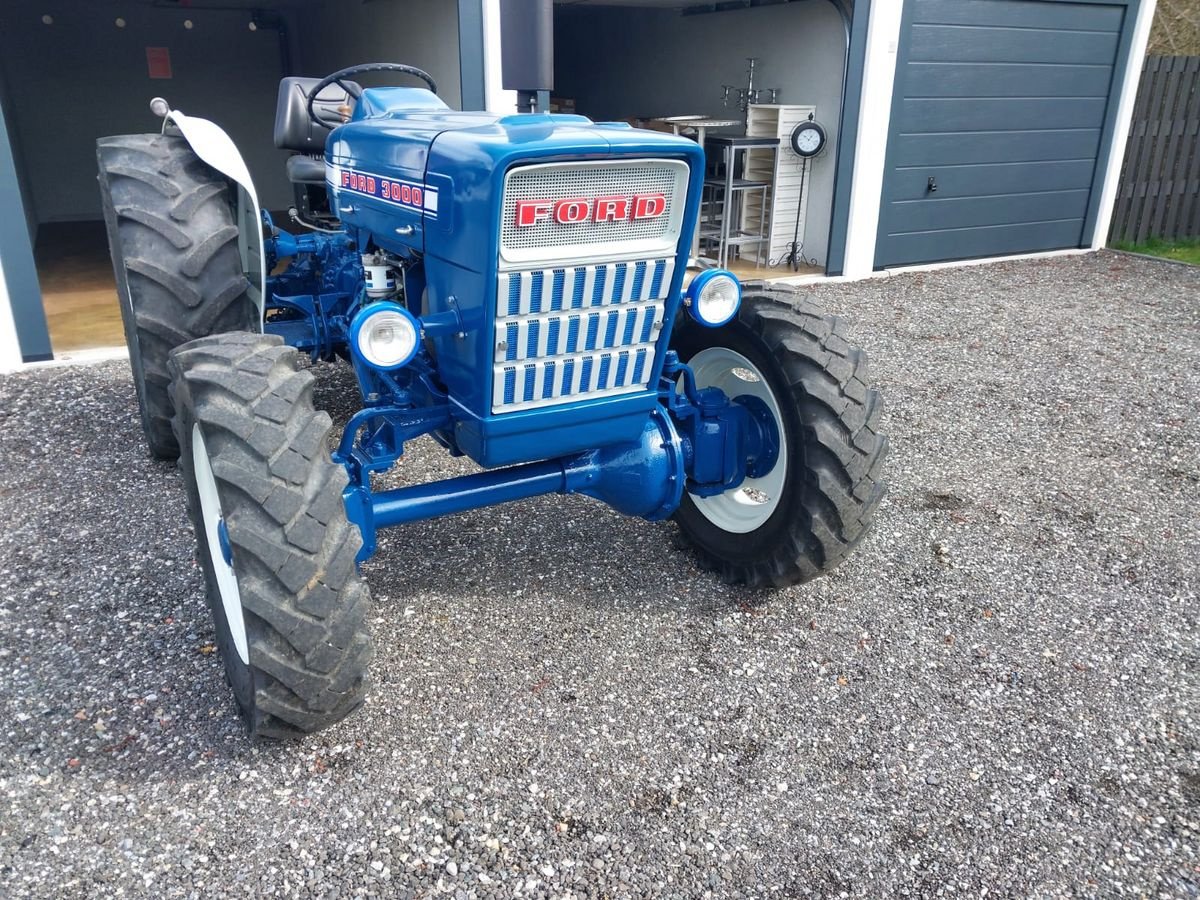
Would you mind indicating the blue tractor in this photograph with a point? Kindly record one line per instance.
(516, 287)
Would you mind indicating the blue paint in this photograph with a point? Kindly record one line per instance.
(424, 186)
(224, 543)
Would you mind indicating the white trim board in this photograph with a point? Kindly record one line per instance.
(10, 346)
(89, 357)
(1129, 89)
(870, 152)
(495, 98)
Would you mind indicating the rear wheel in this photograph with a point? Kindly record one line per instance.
(816, 504)
(277, 551)
(172, 233)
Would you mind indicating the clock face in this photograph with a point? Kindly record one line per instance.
(808, 139)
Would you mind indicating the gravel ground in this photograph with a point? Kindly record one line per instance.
(996, 695)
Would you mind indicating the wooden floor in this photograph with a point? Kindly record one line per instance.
(78, 289)
(80, 294)
(746, 270)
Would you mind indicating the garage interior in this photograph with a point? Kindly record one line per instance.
(75, 70)
(642, 61)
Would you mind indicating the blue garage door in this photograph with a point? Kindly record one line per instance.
(1002, 112)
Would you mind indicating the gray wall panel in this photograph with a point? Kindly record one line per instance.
(83, 77)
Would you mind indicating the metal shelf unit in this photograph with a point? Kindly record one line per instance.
(735, 211)
(783, 170)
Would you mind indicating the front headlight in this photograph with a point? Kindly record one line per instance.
(385, 335)
(713, 297)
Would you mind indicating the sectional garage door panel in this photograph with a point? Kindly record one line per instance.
(997, 209)
(933, 152)
(929, 79)
(1002, 178)
(993, 240)
(998, 119)
(1024, 45)
(1020, 14)
(958, 114)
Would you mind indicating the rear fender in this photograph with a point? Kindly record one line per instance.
(210, 142)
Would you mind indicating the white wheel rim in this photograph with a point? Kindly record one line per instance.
(210, 512)
(749, 505)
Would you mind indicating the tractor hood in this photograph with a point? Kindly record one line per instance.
(406, 160)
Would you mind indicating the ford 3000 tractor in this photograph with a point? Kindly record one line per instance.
(512, 286)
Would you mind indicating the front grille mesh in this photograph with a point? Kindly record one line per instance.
(584, 330)
(520, 245)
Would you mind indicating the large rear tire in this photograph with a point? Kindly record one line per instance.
(172, 233)
(813, 508)
(277, 551)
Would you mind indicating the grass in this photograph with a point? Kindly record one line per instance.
(1186, 250)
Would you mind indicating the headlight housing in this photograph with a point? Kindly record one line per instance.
(713, 297)
(385, 335)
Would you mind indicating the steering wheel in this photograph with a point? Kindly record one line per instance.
(354, 90)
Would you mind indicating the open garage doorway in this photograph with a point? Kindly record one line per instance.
(650, 61)
(76, 70)
(72, 71)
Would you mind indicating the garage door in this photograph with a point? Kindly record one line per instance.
(1000, 115)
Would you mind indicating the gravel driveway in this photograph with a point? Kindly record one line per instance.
(997, 694)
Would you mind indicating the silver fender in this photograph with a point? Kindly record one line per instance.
(210, 142)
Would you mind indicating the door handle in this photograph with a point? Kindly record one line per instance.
(931, 185)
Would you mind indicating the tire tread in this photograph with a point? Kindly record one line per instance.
(295, 550)
(172, 234)
(839, 414)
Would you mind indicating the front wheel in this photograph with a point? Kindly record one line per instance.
(816, 504)
(277, 551)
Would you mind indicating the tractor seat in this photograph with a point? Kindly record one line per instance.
(295, 131)
(303, 169)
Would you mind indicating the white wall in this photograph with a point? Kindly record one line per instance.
(874, 118)
(1116, 159)
(10, 349)
(421, 33)
(619, 63)
(82, 78)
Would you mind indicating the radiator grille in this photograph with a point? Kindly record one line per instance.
(584, 331)
(549, 240)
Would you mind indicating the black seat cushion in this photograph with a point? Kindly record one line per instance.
(294, 130)
(306, 170)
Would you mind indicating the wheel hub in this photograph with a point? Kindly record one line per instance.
(748, 506)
